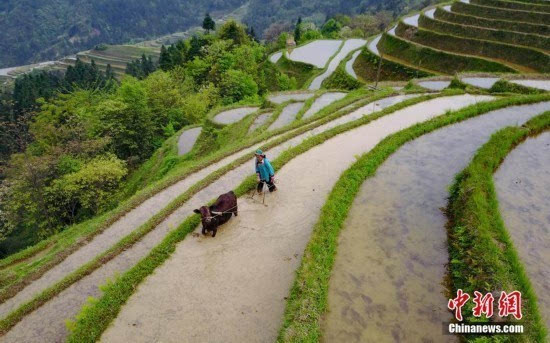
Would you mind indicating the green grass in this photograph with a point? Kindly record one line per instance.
(302, 72)
(475, 32)
(425, 57)
(20, 269)
(536, 7)
(95, 318)
(340, 79)
(482, 255)
(465, 19)
(307, 301)
(299, 127)
(519, 56)
(501, 13)
(503, 86)
(366, 68)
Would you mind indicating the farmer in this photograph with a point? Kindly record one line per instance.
(265, 172)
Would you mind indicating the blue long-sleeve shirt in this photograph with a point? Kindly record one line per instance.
(265, 169)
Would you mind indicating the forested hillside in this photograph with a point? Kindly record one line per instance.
(41, 30)
(35, 31)
(267, 16)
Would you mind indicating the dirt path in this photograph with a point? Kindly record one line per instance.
(122, 227)
(34, 328)
(387, 279)
(232, 288)
(522, 184)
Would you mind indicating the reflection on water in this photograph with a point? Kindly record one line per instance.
(187, 140)
(259, 121)
(323, 101)
(522, 184)
(434, 85)
(386, 284)
(288, 114)
(234, 115)
(349, 46)
(279, 98)
(317, 52)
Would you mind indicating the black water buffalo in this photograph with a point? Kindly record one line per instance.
(219, 213)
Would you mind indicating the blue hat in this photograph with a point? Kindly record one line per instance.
(259, 152)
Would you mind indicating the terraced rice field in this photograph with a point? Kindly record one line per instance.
(393, 251)
(523, 187)
(287, 115)
(187, 139)
(347, 47)
(252, 260)
(233, 115)
(67, 303)
(511, 45)
(317, 53)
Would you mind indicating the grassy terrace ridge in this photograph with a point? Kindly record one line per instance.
(55, 249)
(537, 7)
(366, 68)
(307, 301)
(482, 255)
(501, 13)
(433, 59)
(302, 72)
(96, 317)
(326, 115)
(520, 58)
(468, 19)
(476, 32)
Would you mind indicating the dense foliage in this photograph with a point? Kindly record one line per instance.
(85, 135)
(41, 30)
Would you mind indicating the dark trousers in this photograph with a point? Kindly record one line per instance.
(270, 185)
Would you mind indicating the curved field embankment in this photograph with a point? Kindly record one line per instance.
(392, 252)
(473, 20)
(522, 185)
(68, 301)
(482, 254)
(433, 59)
(308, 298)
(514, 57)
(133, 226)
(253, 258)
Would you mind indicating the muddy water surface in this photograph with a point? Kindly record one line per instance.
(482, 82)
(386, 284)
(287, 116)
(349, 46)
(434, 85)
(279, 98)
(317, 52)
(47, 324)
(187, 140)
(234, 115)
(522, 184)
(373, 45)
(412, 20)
(323, 101)
(259, 121)
(232, 288)
(275, 57)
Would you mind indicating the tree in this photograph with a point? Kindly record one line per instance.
(208, 23)
(298, 30)
(232, 30)
(165, 61)
(236, 86)
(331, 28)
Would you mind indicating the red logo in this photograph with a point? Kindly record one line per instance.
(508, 304)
